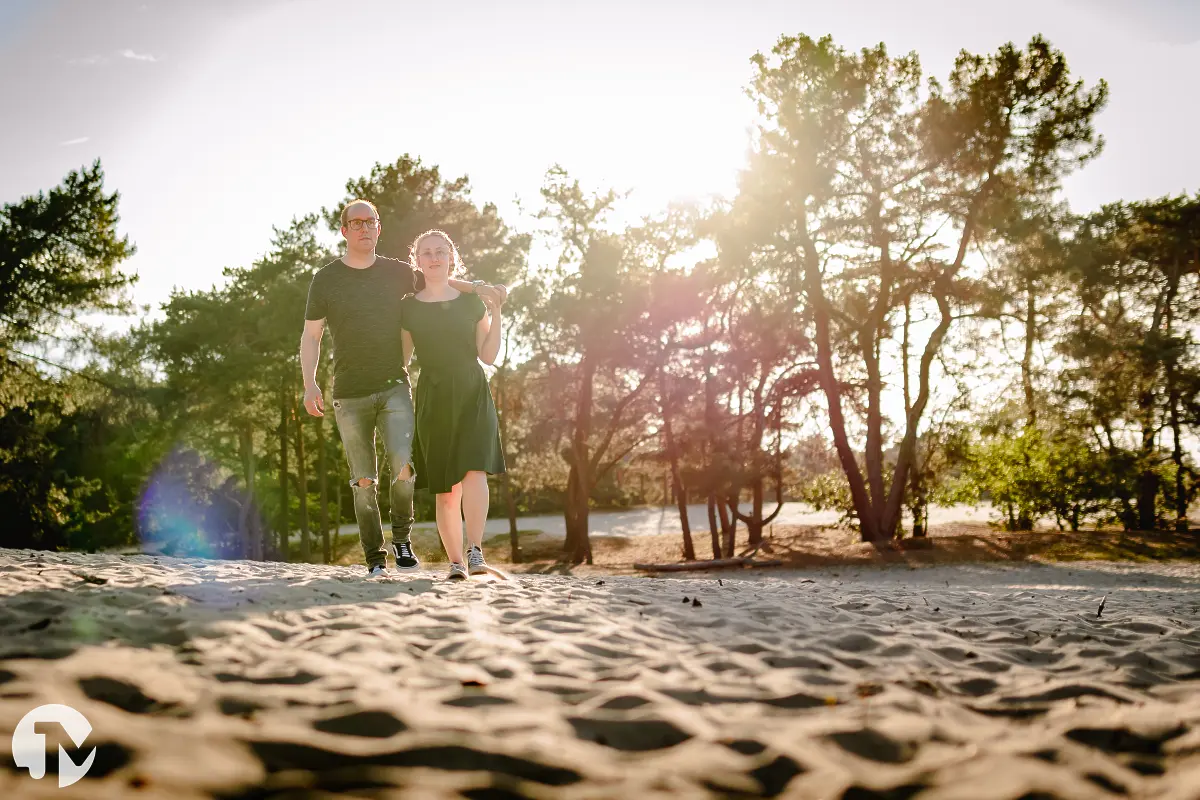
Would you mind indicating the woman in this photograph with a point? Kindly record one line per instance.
(457, 440)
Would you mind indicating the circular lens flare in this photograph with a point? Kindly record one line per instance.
(184, 511)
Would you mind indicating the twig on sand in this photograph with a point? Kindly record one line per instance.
(865, 692)
(687, 566)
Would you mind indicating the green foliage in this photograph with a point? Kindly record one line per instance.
(413, 198)
(1132, 372)
(863, 195)
(1033, 475)
(64, 434)
(704, 344)
(828, 491)
(59, 253)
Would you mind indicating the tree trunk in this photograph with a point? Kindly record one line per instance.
(1027, 357)
(689, 551)
(712, 452)
(890, 521)
(713, 530)
(921, 520)
(284, 521)
(260, 534)
(323, 491)
(711, 499)
(737, 474)
(882, 526)
(729, 523)
(755, 521)
(577, 547)
(870, 338)
(904, 352)
(251, 544)
(302, 491)
(918, 503)
(868, 522)
(917, 506)
(873, 455)
(1148, 482)
(1181, 503)
(1024, 521)
(513, 533)
(1147, 496)
(500, 385)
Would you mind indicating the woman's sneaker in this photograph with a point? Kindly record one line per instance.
(475, 563)
(458, 572)
(406, 559)
(377, 571)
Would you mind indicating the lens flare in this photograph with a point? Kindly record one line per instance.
(184, 512)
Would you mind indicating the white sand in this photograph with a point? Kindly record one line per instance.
(239, 679)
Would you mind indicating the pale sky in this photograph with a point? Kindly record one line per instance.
(218, 119)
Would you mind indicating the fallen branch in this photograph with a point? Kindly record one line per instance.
(686, 566)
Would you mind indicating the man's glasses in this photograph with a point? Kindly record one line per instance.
(357, 224)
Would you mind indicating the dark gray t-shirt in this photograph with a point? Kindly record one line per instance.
(361, 307)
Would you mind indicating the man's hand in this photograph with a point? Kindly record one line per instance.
(314, 401)
(492, 295)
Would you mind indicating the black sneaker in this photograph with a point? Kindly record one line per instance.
(475, 562)
(406, 559)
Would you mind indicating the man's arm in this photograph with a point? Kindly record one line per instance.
(497, 292)
(310, 355)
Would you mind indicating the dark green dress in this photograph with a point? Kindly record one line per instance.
(457, 430)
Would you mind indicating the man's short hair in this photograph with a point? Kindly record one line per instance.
(358, 201)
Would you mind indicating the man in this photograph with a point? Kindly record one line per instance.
(359, 296)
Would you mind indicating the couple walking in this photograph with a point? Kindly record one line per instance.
(380, 311)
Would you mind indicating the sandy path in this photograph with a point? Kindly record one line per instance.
(656, 521)
(238, 679)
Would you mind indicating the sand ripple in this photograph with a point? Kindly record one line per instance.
(240, 680)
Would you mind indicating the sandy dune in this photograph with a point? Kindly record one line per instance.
(240, 680)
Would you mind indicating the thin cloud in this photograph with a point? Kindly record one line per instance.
(69, 142)
(127, 53)
(88, 61)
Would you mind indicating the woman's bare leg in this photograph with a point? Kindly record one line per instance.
(475, 506)
(449, 522)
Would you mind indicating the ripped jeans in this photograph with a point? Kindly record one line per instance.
(391, 413)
